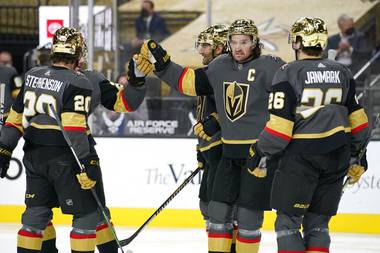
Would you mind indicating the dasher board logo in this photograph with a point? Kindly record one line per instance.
(53, 25)
(235, 99)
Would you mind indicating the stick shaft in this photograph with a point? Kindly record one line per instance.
(93, 192)
(163, 205)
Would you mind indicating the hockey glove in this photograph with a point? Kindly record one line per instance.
(87, 177)
(199, 131)
(156, 54)
(5, 158)
(207, 127)
(357, 168)
(201, 160)
(137, 69)
(256, 162)
(211, 124)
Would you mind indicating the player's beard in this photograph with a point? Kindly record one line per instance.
(207, 60)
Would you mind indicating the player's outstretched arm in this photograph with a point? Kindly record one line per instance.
(186, 80)
(124, 99)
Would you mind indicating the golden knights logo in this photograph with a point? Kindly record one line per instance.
(235, 99)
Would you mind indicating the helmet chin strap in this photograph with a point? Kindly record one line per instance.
(296, 54)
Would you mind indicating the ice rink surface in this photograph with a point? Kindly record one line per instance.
(189, 241)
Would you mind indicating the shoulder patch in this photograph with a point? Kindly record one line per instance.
(273, 57)
(283, 67)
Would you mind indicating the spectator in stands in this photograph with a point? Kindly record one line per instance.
(350, 44)
(150, 25)
(6, 59)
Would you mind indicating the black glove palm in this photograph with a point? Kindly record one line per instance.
(160, 55)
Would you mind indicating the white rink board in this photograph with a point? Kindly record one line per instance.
(142, 173)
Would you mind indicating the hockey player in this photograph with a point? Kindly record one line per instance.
(240, 82)
(211, 43)
(12, 82)
(314, 117)
(52, 172)
(114, 97)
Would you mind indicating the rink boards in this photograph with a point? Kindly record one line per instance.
(139, 174)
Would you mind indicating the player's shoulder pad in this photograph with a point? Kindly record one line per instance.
(93, 73)
(80, 80)
(273, 58)
(95, 77)
(223, 58)
(37, 69)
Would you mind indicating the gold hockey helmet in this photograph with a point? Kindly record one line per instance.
(214, 35)
(312, 31)
(245, 27)
(68, 40)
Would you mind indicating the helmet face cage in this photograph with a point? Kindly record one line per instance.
(214, 36)
(312, 31)
(68, 40)
(243, 27)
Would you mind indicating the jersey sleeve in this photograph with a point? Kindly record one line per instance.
(278, 130)
(74, 113)
(188, 81)
(357, 119)
(12, 129)
(116, 97)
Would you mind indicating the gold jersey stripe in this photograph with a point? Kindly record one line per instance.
(357, 118)
(73, 119)
(15, 93)
(238, 141)
(121, 104)
(280, 125)
(210, 146)
(15, 119)
(35, 125)
(322, 135)
(187, 82)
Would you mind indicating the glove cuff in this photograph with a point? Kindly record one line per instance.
(5, 150)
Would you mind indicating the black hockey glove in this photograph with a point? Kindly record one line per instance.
(87, 177)
(161, 59)
(201, 160)
(207, 127)
(211, 124)
(5, 158)
(357, 168)
(256, 162)
(137, 69)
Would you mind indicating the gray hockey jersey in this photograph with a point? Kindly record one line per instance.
(241, 94)
(313, 110)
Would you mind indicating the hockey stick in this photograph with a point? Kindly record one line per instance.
(363, 149)
(102, 210)
(2, 105)
(127, 241)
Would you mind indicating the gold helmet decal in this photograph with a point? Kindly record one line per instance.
(235, 99)
(244, 27)
(312, 31)
(68, 40)
(214, 35)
